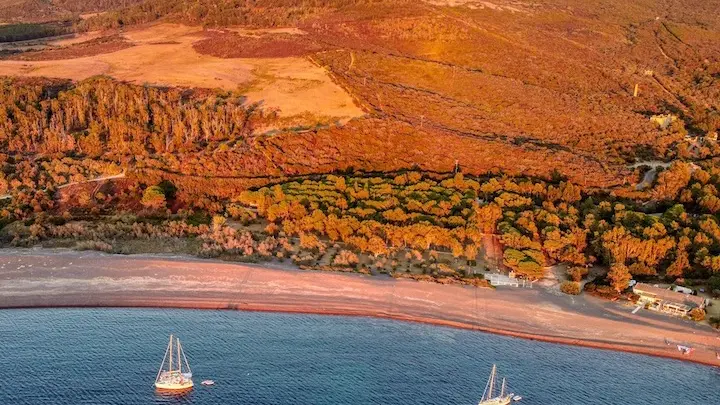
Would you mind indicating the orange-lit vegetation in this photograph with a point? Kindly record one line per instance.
(234, 45)
(433, 224)
(43, 11)
(534, 103)
(219, 13)
(42, 116)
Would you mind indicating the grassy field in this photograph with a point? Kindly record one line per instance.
(164, 55)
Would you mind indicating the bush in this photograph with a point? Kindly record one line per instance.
(599, 288)
(570, 287)
(577, 273)
(697, 314)
(153, 198)
(346, 258)
(94, 245)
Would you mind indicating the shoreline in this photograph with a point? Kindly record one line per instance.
(43, 278)
(397, 318)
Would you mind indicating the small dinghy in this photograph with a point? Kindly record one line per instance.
(517, 398)
(208, 382)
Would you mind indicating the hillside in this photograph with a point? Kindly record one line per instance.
(550, 82)
(13, 11)
(617, 103)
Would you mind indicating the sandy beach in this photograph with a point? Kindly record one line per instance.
(65, 278)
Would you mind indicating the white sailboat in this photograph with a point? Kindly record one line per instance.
(174, 378)
(489, 397)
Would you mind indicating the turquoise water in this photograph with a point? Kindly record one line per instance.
(111, 356)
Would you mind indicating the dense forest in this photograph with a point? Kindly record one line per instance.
(538, 223)
(98, 115)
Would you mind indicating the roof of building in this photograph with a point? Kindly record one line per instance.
(669, 295)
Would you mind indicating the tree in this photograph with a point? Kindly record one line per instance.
(619, 277)
(310, 241)
(153, 198)
(471, 252)
(218, 222)
(671, 181)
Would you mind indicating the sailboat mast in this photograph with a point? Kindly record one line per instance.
(167, 349)
(502, 390)
(187, 365)
(171, 353)
(178, 356)
(492, 383)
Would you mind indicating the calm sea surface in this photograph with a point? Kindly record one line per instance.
(111, 356)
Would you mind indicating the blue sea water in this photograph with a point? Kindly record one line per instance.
(111, 356)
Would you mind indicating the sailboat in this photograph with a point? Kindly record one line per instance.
(489, 397)
(174, 378)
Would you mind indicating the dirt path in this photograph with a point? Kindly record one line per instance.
(101, 178)
(57, 278)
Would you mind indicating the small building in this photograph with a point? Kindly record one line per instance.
(667, 301)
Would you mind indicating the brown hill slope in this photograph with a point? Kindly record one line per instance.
(51, 10)
(550, 81)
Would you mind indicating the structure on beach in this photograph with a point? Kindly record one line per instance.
(667, 301)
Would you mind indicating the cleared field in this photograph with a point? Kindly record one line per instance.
(164, 55)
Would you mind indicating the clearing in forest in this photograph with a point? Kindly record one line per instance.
(163, 54)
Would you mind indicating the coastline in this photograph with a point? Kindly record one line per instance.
(50, 278)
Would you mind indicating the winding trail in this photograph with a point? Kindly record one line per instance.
(101, 178)
(65, 278)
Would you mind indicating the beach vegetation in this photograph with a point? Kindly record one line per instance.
(153, 198)
(570, 287)
(697, 314)
(619, 276)
(577, 273)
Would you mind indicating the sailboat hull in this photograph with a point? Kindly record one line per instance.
(497, 401)
(173, 381)
(160, 386)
